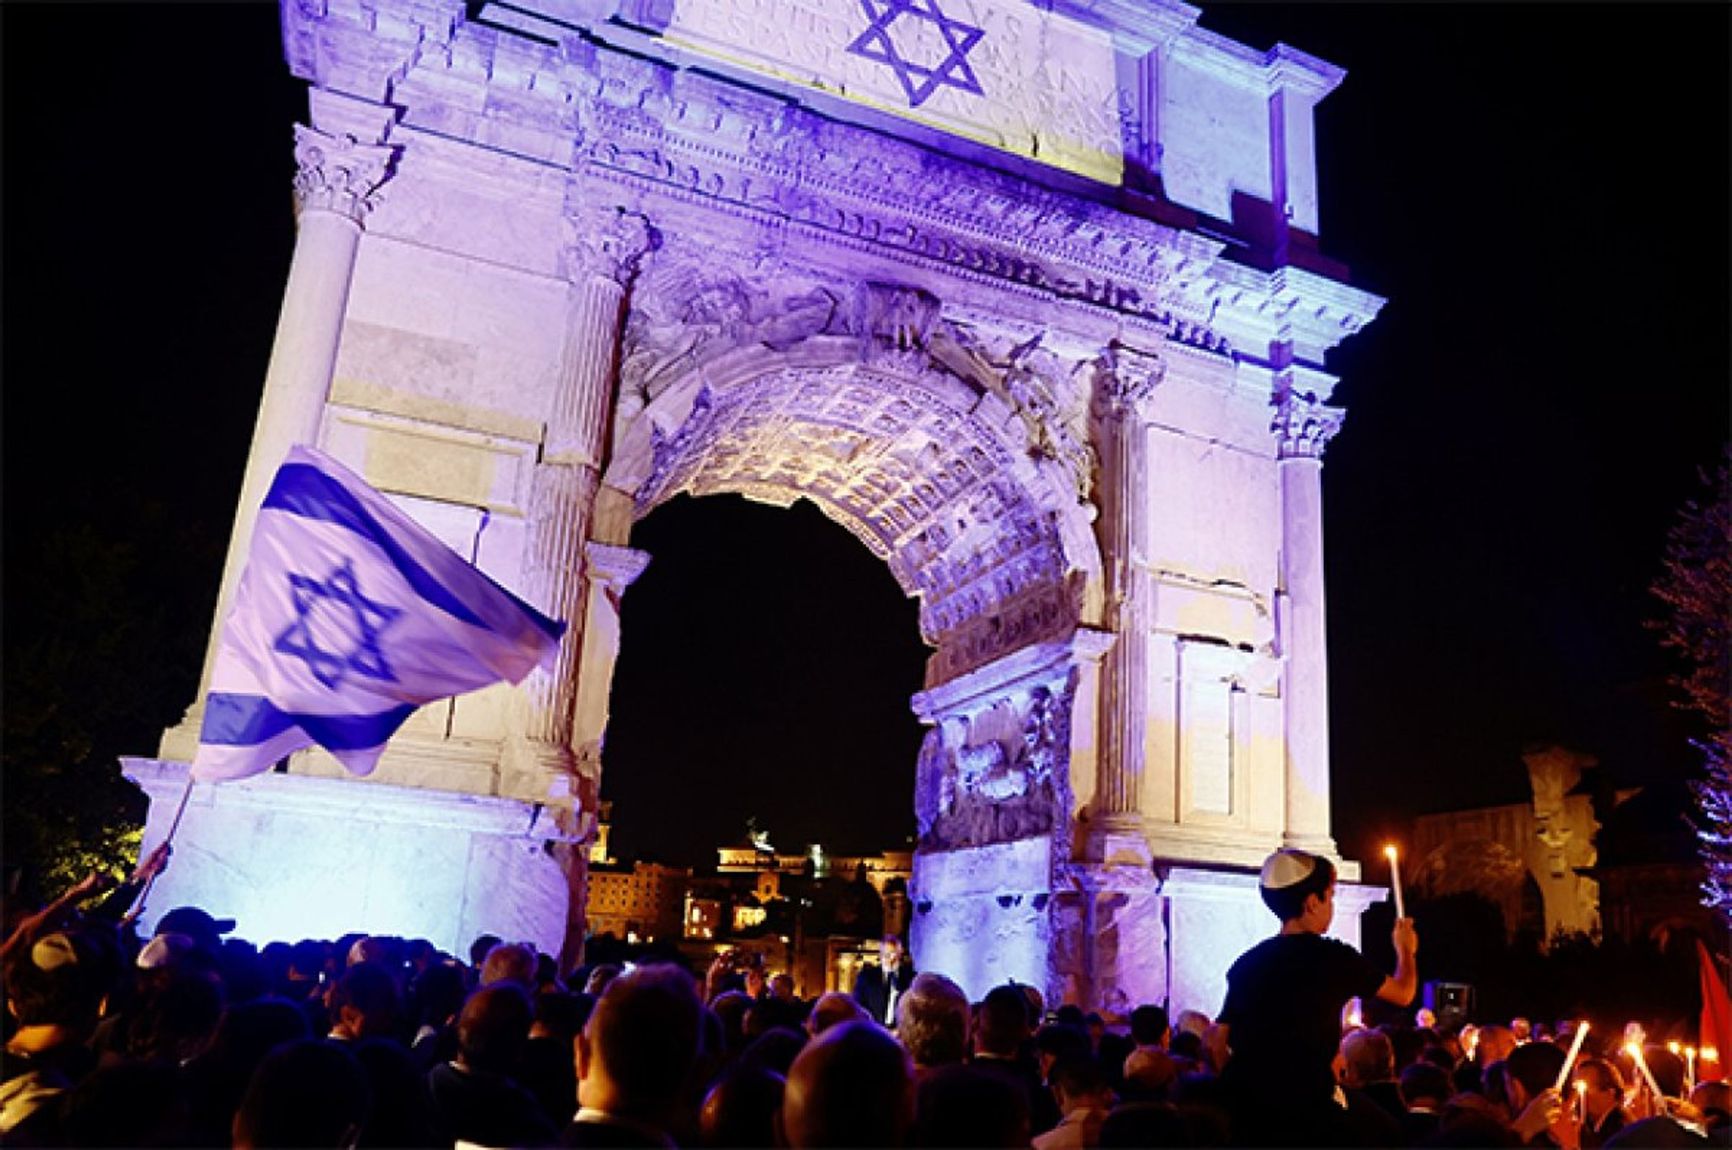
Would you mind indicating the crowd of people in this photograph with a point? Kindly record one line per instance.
(191, 1038)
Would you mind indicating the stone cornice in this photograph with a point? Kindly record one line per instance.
(1281, 68)
(627, 119)
(1138, 26)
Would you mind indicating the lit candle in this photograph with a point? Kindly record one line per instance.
(1689, 1070)
(1395, 879)
(1581, 1102)
(1575, 1049)
(1635, 1051)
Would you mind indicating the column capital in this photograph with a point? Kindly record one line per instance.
(338, 173)
(1303, 425)
(615, 567)
(606, 242)
(1125, 378)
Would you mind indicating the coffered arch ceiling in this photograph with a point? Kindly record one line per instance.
(898, 450)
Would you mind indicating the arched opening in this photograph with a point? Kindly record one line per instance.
(766, 672)
(983, 533)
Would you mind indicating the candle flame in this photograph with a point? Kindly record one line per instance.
(1673, 1047)
(1389, 850)
(1632, 1050)
(1709, 1054)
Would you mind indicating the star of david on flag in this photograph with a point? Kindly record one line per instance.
(348, 616)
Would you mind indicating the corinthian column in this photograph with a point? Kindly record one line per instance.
(336, 186)
(1123, 381)
(602, 251)
(1302, 427)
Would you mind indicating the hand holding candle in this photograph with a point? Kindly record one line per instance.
(1575, 1049)
(1634, 1050)
(1395, 880)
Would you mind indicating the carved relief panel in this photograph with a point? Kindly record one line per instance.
(998, 770)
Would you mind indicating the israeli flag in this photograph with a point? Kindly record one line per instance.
(348, 616)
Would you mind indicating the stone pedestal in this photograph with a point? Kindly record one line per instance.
(290, 857)
(1105, 937)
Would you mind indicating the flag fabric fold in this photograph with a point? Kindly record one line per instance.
(1714, 1028)
(348, 616)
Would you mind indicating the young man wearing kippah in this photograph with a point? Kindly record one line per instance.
(1281, 1024)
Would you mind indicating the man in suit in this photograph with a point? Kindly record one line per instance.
(633, 1058)
(876, 988)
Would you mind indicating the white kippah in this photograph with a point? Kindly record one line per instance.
(1287, 867)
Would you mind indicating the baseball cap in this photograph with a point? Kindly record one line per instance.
(1286, 868)
(165, 950)
(195, 923)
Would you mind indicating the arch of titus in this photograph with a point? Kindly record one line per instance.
(1026, 296)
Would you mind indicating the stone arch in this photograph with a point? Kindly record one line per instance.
(929, 470)
(952, 466)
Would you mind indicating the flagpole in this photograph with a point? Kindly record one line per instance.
(179, 810)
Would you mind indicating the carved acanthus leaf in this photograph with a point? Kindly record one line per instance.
(339, 173)
(1303, 424)
(606, 241)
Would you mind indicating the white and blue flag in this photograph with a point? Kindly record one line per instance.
(348, 616)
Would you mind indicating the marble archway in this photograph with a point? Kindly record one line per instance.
(1052, 345)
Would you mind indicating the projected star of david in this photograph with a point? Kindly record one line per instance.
(920, 78)
(336, 629)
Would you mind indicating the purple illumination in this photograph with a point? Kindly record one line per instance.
(919, 80)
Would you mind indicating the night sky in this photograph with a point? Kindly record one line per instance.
(1541, 192)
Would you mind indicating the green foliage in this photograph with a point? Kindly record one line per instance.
(102, 652)
(1696, 587)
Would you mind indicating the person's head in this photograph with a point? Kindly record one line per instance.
(364, 1003)
(1424, 1086)
(852, 1086)
(1521, 1028)
(1366, 1056)
(493, 1027)
(1299, 888)
(1492, 1044)
(1713, 1101)
(599, 976)
(480, 947)
(890, 951)
(639, 1045)
(964, 1106)
(305, 1094)
(560, 1016)
(176, 1017)
(775, 1049)
(1149, 1025)
(1056, 1042)
(1193, 1021)
(1001, 1024)
(1604, 1087)
(509, 962)
(832, 1008)
(782, 986)
(1080, 1082)
(1531, 1069)
(739, 1112)
(438, 995)
(198, 925)
(932, 1021)
(59, 980)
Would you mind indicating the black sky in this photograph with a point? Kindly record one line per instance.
(1541, 192)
